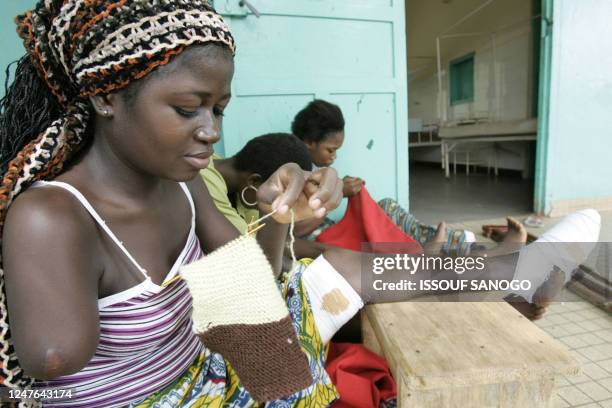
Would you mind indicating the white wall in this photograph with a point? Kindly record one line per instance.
(511, 81)
(500, 93)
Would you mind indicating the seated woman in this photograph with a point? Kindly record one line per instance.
(101, 204)
(321, 126)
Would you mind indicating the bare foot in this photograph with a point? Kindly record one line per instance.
(435, 244)
(440, 235)
(549, 290)
(516, 232)
(531, 311)
(513, 241)
(542, 298)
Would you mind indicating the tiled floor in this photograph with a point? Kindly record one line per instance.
(469, 203)
(587, 333)
(461, 198)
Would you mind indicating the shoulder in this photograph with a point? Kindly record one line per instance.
(48, 216)
(48, 208)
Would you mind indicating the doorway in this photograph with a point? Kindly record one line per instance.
(474, 71)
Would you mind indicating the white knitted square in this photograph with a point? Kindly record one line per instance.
(234, 285)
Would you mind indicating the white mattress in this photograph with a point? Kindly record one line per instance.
(503, 128)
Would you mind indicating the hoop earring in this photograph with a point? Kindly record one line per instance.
(244, 200)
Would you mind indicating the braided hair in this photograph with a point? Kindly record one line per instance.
(77, 49)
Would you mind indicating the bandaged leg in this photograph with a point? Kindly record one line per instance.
(239, 312)
(332, 299)
(563, 248)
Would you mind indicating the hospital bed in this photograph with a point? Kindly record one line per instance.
(502, 131)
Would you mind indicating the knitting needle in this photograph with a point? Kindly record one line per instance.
(171, 281)
(177, 277)
(254, 230)
(249, 232)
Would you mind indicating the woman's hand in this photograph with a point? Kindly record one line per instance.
(308, 194)
(351, 186)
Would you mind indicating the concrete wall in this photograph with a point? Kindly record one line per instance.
(580, 116)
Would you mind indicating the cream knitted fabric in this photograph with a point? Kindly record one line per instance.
(238, 311)
(241, 269)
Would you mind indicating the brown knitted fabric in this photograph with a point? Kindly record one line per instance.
(267, 357)
(239, 312)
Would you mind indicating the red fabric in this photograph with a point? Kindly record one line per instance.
(365, 221)
(363, 378)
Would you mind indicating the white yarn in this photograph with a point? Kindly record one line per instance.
(244, 290)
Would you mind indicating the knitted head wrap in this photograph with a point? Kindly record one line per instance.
(82, 48)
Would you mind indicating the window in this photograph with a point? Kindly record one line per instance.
(462, 80)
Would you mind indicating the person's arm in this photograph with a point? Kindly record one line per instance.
(272, 238)
(51, 275)
(306, 227)
(286, 188)
(215, 230)
(308, 194)
(351, 186)
(212, 228)
(309, 249)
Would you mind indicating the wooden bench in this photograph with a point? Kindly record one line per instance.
(465, 354)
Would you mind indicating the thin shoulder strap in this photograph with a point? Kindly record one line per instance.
(96, 217)
(191, 204)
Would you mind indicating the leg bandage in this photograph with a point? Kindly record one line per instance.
(333, 301)
(564, 247)
(239, 312)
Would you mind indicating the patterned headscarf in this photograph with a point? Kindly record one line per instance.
(82, 48)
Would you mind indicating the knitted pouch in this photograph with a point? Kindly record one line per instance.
(238, 311)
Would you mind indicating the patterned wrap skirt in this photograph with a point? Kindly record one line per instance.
(210, 381)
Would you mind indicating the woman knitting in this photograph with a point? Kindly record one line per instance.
(111, 116)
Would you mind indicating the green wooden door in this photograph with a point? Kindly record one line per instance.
(540, 201)
(350, 53)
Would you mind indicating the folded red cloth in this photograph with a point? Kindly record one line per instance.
(365, 222)
(362, 377)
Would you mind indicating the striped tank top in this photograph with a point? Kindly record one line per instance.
(145, 339)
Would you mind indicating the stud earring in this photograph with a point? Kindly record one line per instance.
(105, 112)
